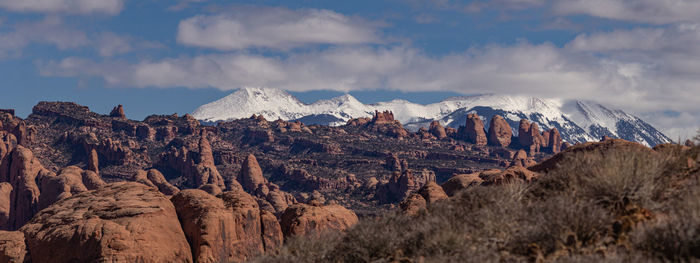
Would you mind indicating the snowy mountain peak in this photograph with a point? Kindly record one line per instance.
(577, 121)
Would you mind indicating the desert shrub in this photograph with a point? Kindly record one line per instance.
(560, 222)
(567, 215)
(676, 235)
(613, 179)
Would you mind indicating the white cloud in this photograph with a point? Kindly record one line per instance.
(644, 86)
(110, 7)
(48, 31)
(645, 11)
(275, 28)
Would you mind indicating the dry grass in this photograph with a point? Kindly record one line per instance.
(591, 209)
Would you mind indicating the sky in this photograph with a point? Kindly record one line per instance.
(170, 56)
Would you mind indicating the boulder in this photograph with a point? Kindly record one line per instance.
(459, 182)
(413, 204)
(120, 222)
(474, 130)
(499, 132)
(308, 220)
(432, 192)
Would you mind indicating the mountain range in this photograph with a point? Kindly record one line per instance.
(577, 120)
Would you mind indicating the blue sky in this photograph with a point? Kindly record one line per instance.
(166, 56)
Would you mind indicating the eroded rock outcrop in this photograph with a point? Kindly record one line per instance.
(530, 138)
(12, 247)
(437, 130)
(402, 184)
(154, 178)
(194, 161)
(427, 195)
(252, 180)
(499, 132)
(21, 170)
(461, 181)
(69, 181)
(474, 129)
(521, 159)
(118, 112)
(120, 222)
(225, 232)
(309, 220)
(555, 142)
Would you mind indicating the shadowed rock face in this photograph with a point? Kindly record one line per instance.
(120, 222)
(303, 219)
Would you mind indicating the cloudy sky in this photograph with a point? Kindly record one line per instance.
(165, 56)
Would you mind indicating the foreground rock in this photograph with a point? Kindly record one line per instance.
(219, 231)
(12, 247)
(305, 220)
(22, 171)
(120, 222)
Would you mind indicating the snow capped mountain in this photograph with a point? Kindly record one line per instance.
(577, 121)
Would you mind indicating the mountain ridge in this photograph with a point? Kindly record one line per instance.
(577, 120)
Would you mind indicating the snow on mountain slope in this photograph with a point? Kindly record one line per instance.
(577, 121)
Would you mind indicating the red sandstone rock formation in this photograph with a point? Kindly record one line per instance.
(437, 130)
(221, 231)
(154, 178)
(475, 130)
(521, 159)
(499, 132)
(252, 180)
(432, 193)
(21, 170)
(308, 220)
(428, 194)
(12, 247)
(120, 222)
(530, 138)
(70, 181)
(118, 112)
(402, 184)
(461, 181)
(195, 162)
(555, 142)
